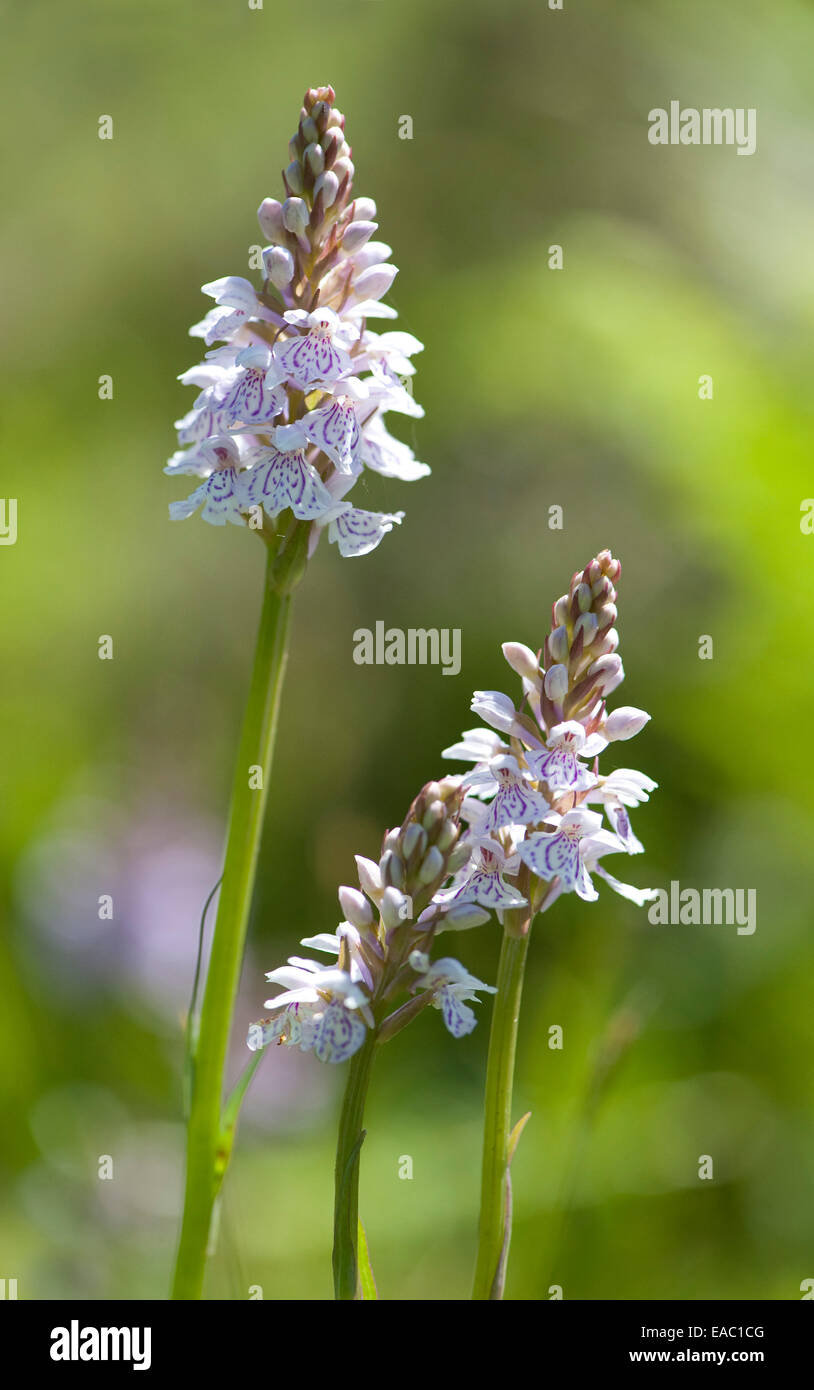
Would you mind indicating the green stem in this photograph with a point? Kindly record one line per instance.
(348, 1150)
(493, 1237)
(208, 1146)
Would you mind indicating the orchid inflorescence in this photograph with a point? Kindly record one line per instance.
(293, 402)
(382, 948)
(536, 771)
(529, 835)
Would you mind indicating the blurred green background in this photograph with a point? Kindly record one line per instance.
(576, 387)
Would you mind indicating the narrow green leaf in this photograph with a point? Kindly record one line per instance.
(367, 1283)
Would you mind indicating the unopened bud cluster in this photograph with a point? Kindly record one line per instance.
(580, 660)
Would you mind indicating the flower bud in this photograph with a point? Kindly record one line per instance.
(414, 838)
(293, 176)
(447, 836)
(394, 908)
(370, 877)
(328, 185)
(587, 625)
(522, 660)
(558, 644)
(561, 610)
(556, 683)
(364, 210)
(319, 114)
(609, 672)
(583, 597)
(295, 215)
(315, 159)
(308, 130)
(342, 169)
(392, 868)
(374, 253)
(278, 264)
(270, 217)
(331, 144)
(356, 907)
(625, 722)
(375, 281)
(460, 855)
(463, 916)
(606, 614)
(433, 865)
(356, 235)
(608, 642)
(434, 815)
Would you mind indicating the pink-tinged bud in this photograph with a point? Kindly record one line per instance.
(356, 907)
(270, 217)
(522, 660)
(293, 176)
(375, 282)
(278, 264)
(462, 917)
(336, 119)
(434, 815)
(413, 841)
(556, 683)
(357, 234)
(432, 866)
(295, 215)
(625, 722)
(369, 877)
(374, 253)
(342, 168)
(315, 159)
(606, 614)
(392, 867)
(608, 642)
(608, 671)
(587, 625)
(331, 145)
(328, 185)
(394, 907)
(364, 210)
(561, 608)
(319, 113)
(558, 644)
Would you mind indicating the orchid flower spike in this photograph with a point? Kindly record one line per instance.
(381, 950)
(536, 769)
(296, 355)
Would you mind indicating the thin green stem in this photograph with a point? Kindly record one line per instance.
(348, 1151)
(208, 1145)
(494, 1232)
